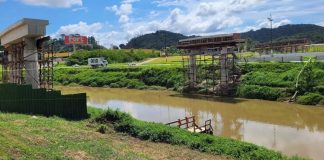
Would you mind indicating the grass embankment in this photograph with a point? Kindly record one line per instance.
(276, 81)
(269, 81)
(155, 132)
(112, 56)
(27, 137)
(129, 77)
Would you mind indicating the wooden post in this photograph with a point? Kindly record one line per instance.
(179, 123)
(187, 122)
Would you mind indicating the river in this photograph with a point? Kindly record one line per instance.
(289, 128)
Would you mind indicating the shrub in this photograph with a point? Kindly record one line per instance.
(310, 99)
(259, 92)
(114, 85)
(320, 89)
(102, 129)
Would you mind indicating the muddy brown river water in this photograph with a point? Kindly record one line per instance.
(289, 128)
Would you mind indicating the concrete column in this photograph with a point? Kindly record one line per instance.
(223, 63)
(293, 49)
(12, 72)
(31, 62)
(192, 71)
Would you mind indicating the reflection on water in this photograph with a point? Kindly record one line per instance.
(289, 128)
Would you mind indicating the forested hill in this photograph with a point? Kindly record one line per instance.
(297, 31)
(156, 40)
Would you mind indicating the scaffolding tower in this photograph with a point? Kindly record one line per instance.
(14, 62)
(210, 63)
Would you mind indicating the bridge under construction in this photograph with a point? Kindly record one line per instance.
(24, 60)
(221, 74)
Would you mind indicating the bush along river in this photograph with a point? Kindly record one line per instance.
(289, 128)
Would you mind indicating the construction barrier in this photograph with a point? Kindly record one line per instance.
(23, 99)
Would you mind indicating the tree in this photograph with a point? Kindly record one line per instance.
(122, 46)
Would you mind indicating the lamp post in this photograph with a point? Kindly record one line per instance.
(271, 20)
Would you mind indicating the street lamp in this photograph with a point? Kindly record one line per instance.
(271, 20)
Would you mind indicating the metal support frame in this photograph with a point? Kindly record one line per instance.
(46, 66)
(218, 75)
(13, 64)
(14, 69)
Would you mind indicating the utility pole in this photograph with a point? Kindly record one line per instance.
(165, 49)
(271, 20)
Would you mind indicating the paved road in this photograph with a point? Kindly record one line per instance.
(293, 57)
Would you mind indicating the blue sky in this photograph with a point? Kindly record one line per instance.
(115, 22)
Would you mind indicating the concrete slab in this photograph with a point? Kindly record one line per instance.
(25, 28)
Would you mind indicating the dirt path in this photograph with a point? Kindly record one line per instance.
(147, 61)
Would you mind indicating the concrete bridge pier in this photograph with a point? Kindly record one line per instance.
(31, 62)
(20, 42)
(192, 69)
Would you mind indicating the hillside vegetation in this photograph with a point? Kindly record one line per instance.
(288, 32)
(157, 40)
(160, 39)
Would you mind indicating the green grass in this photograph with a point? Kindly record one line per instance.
(24, 137)
(276, 81)
(120, 77)
(112, 56)
(202, 142)
(319, 48)
(37, 137)
(271, 81)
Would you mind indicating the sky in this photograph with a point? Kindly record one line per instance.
(116, 22)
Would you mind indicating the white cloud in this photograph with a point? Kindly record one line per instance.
(276, 24)
(80, 28)
(85, 9)
(320, 24)
(196, 17)
(96, 29)
(123, 11)
(53, 3)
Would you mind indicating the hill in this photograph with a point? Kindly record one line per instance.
(157, 40)
(296, 31)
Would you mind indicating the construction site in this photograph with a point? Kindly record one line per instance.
(222, 74)
(27, 70)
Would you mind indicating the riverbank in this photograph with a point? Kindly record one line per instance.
(24, 136)
(37, 137)
(269, 81)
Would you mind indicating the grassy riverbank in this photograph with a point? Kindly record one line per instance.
(155, 132)
(30, 137)
(103, 137)
(276, 81)
(122, 77)
(269, 81)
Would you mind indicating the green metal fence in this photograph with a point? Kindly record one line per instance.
(23, 99)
